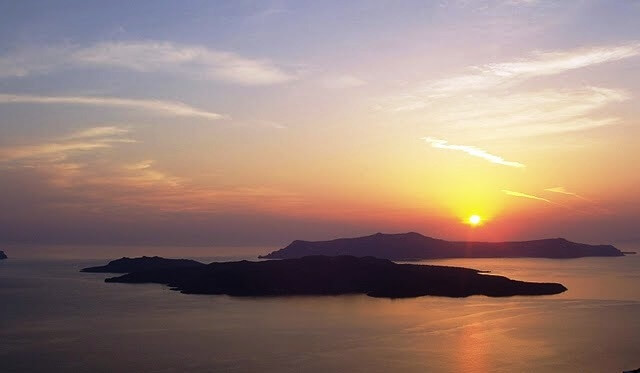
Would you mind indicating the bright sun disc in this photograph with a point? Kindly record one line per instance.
(474, 219)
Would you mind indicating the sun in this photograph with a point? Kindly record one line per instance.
(475, 220)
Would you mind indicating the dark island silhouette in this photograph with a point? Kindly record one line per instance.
(145, 263)
(324, 275)
(414, 246)
(2, 255)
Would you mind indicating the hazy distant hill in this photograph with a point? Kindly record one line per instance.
(414, 246)
(145, 263)
(333, 275)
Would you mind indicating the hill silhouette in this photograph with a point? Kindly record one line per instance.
(323, 275)
(414, 246)
(145, 263)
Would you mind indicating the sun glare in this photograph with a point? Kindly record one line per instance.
(474, 219)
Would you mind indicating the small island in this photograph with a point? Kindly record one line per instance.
(145, 263)
(414, 246)
(2, 255)
(325, 275)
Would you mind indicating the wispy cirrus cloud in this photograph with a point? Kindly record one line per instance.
(527, 114)
(504, 74)
(173, 108)
(143, 173)
(69, 164)
(59, 149)
(102, 131)
(588, 210)
(193, 61)
(471, 150)
(524, 195)
(56, 151)
(486, 102)
(563, 190)
(140, 165)
(33, 60)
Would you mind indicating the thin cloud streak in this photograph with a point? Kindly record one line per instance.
(496, 77)
(141, 165)
(102, 184)
(27, 61)
(60, 149)
(97, 132)
(524, 114)
(473, 151)
(540, 64)
(524, 195)
(192, 61)
(55, 150)
(529, 196)
(174, 108)
(562, 190)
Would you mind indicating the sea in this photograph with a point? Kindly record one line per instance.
(54, 318)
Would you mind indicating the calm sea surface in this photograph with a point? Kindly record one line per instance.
(55, 319)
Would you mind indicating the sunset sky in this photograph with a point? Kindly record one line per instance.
(256, 123)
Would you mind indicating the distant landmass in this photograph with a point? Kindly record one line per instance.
(414, 246)
(145, 263)
(324, 275)
(2, 255)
